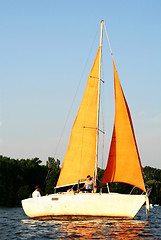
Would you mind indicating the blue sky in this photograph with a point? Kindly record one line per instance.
(47, 49)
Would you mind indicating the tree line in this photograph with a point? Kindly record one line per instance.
(18, 179)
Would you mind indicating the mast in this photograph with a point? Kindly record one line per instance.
(97, 142)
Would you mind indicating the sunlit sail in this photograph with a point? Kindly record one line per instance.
(124, 162)
(80, 157)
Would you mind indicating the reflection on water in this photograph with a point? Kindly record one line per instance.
(15, 225)
(105, 229)
(93, 229)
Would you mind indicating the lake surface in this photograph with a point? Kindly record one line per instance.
(14, 224)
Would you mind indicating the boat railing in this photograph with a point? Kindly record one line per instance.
(148, 189)
(79, 182)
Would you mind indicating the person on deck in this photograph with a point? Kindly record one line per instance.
(88, 186)
(36, 193)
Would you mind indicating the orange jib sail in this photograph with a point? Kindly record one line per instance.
(124, 163)
(80, 157)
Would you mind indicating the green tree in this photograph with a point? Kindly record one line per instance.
(18, 179)
(53, 174)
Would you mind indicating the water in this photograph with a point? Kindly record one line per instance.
(14, 224)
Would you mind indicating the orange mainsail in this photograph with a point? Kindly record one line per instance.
(123, 162)
(80, 157)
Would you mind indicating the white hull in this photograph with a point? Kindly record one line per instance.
(68, 205)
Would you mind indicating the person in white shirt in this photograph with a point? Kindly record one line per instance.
(88, 186)
(36, 193)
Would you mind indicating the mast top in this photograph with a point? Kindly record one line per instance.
(101, 35)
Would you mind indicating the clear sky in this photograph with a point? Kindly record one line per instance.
(47, 49)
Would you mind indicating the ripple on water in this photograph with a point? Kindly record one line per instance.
(15, 225)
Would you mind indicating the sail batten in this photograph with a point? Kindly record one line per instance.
(124, 163)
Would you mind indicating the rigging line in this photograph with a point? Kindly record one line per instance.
(70, 109)
(108, 40)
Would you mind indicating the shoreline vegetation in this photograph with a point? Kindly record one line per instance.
(18, 179)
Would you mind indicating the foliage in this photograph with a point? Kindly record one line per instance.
(18, 179)
(152, 177)
(53, 174)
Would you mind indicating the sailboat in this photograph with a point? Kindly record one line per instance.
(81, 159)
